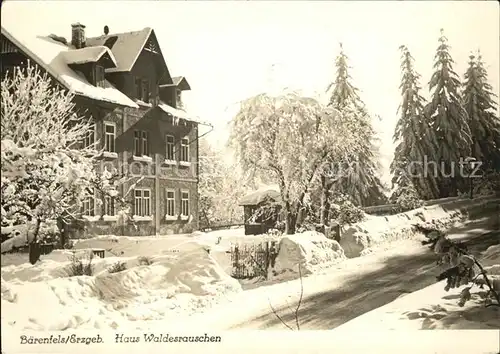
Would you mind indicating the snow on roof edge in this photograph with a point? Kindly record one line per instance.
(50, 70)
(181, 114)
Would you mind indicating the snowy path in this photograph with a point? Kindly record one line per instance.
(349, 290)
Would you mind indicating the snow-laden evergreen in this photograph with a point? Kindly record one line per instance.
(484, 123)
(413, 137)
(362, 182)
(448, 119)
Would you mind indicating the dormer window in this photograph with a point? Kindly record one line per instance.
(178, 98)
(99, 76)
(142, 90)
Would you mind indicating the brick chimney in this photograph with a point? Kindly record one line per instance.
(78, 35)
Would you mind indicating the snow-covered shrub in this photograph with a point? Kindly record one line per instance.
(465, 271)
(117, 267)
(345, 212)
(143, 260)
(81, 265)
(488, 184)
(408, 199)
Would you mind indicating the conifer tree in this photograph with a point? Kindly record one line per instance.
(484, 123)
(413, 136)
(448, 120)
(361, 183)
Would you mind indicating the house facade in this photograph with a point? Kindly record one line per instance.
(122, 83)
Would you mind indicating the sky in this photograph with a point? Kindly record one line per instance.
(231, 50)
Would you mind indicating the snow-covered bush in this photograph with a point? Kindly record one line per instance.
(117, 267)
(81, 265)
(345, 212)
(465, 271)
(143, 260)
(408, 199)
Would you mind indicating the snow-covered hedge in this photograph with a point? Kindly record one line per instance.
(374, 230)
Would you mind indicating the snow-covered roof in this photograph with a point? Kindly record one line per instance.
(178, 113)
(181, 82)
(49, 54)
(87, 55)
(260, 196)
(126, 47)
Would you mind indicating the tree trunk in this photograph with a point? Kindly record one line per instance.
(34, 246)
(290, 219)
(291, 223)
(325, 203)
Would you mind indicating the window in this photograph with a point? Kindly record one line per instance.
(109, 137)
(178, 98)
(145, 90)
(142, 205)
(185, 149)
(170, 203)
(145, 144)
(88, 207)
(99, 76)
(141, 143)
(90, 137)
(142, 89)
(170, 142)
(185, 203)
(138, 87)
(109, 206)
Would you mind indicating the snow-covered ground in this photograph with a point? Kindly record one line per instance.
(188, 279)
(434, 308)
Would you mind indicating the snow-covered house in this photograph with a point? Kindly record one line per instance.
(122, 81)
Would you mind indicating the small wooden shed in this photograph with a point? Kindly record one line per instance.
(259, 199)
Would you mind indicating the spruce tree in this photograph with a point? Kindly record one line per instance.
(481, 108)
(448, 120)
(413, 136)
(362, 183)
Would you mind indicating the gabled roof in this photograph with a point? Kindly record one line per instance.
(126, 47)
(50, 55)
(181, 83)
(88, 55)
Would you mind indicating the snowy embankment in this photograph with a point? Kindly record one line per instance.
(434, 308)
(374, 231)
(43, 297)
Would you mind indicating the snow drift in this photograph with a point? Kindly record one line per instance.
(169, 286)
(358, 239)
(310, 250)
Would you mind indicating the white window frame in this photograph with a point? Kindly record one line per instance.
(141, 143)
(145, 143)
(109, 204)
(99, 76)
(183, 200)
(171, 145)
(143, 202)
(170, 203)
(91, 135)
(111, 136)
(89, 206)
(184, 150)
